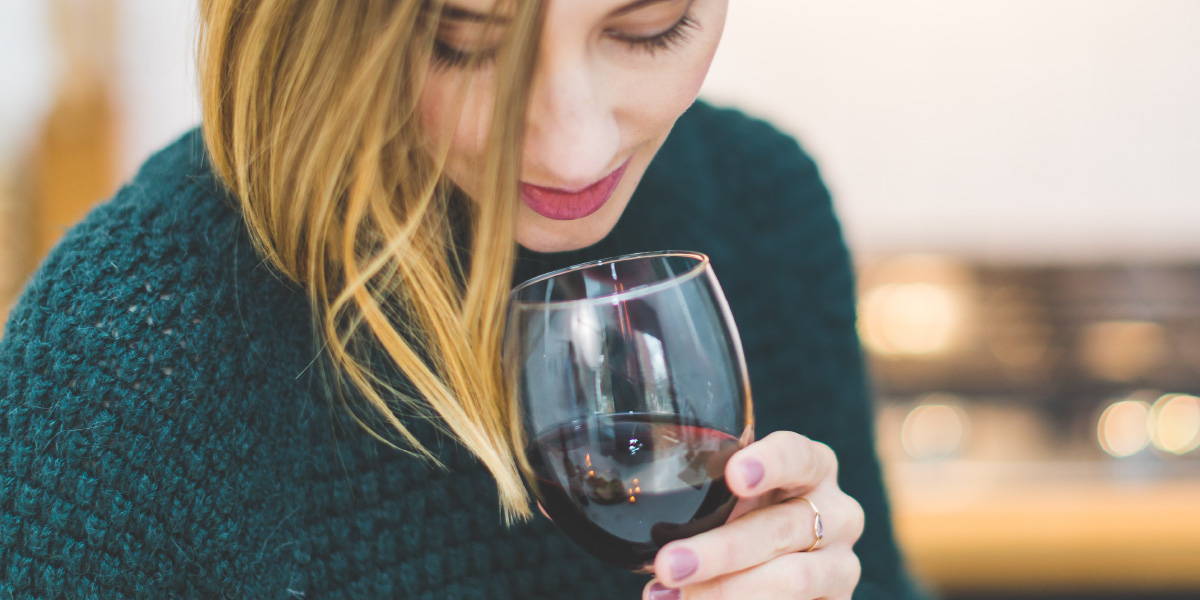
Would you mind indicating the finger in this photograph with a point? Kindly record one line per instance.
(753, 539)
(796, 575)
(784, 459)
(657, 591)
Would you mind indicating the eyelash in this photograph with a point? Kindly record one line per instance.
(448, 57)
(445, 56)
(671, 38)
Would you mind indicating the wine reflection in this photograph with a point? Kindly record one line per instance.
(624, 485)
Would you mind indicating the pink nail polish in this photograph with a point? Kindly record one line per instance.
(752, 472)
(682, 562)
(659, 591)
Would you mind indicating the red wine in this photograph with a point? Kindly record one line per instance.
(624, 485)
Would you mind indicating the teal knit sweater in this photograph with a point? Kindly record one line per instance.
(163, 434)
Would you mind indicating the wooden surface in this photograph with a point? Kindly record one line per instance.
(15, 238)
(1063, 527)
(74, 161)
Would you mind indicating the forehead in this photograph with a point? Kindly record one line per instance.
(500, 7)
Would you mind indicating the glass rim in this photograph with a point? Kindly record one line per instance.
(637, 291)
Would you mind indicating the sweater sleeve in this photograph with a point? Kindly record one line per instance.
(791, 285)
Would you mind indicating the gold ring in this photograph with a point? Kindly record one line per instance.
(818, 525)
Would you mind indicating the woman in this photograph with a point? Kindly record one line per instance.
(174, 427)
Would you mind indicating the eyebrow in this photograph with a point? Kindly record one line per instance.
(635, 5)
(458, 13)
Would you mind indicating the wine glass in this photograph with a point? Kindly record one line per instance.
(634, 394)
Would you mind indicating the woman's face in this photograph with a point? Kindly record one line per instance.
(611, 79)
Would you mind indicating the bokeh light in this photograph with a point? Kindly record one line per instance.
(1175, 423)
(911, 319)
(936, 429)
(1122, 429)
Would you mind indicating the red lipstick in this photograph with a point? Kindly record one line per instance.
(567, 205)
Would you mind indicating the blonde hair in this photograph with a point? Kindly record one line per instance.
(310, 115)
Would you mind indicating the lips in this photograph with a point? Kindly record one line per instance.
(566, 205)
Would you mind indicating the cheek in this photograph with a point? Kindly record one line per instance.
(454, 114)
(652, 98)
(433, 114)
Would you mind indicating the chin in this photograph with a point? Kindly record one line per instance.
(547, 242)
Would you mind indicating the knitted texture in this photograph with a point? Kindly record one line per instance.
(163, 432)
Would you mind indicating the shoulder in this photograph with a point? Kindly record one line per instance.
(777, 246)
(746, 184)
(157, 289)
(736, 170)
(165, 253)
(172, 215)
(736, 126)
(127, 374)
(737, 143)
(155, 302)
(173, 194)
(748, 194)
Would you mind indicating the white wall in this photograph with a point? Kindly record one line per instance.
(26, 73)
(1002, 128)
(158, 85)
(1011, 128)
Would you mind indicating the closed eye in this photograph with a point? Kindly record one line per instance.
(666, 40)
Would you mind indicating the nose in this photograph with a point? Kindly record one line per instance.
(571, 133)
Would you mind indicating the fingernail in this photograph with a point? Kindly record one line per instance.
(682, 562)
(659, 591)
(752, 472)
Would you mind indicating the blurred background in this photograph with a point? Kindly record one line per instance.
(1020, 182)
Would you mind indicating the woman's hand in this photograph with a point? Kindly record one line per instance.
(761, 551)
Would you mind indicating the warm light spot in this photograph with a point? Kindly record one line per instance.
(1175, 423)
(1122, 350)
(587, 459)
(632, 498)
(935, 429)
(911, 319)
(937, 268)
(591, 472)
(1122, 429)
